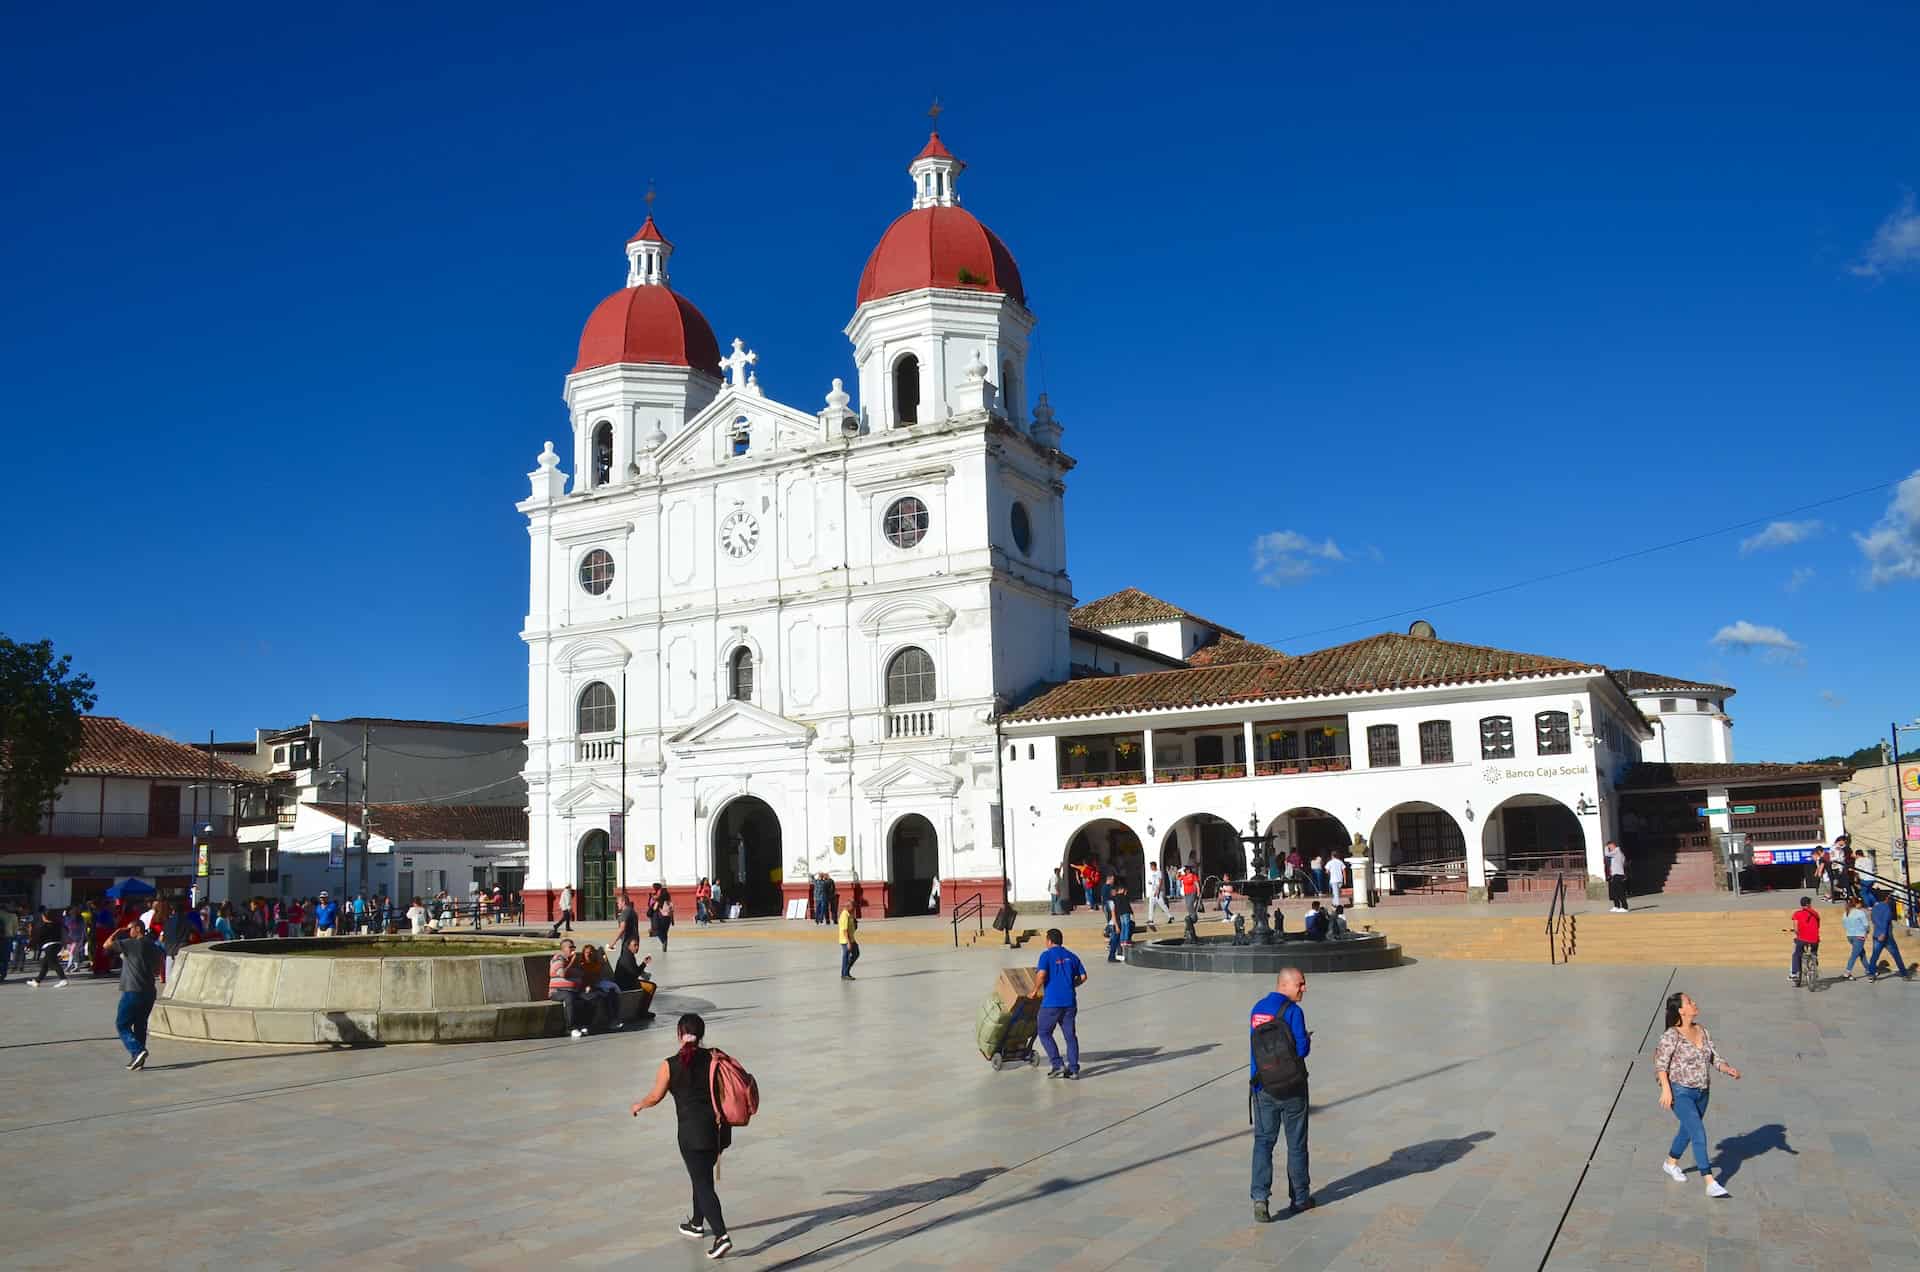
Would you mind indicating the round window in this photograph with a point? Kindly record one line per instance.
(596, 571)
(906, 522)
(1022, 528)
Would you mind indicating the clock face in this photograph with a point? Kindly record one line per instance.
(739, 533)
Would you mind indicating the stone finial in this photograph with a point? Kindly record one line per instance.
(837, 399)
(837, 421)
(1046, 426)
(548, 482)
(974, 394)
(657, 438)
(977, 366)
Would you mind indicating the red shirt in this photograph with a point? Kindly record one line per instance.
(1806, 925)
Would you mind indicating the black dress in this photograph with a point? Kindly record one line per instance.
(702, 1135)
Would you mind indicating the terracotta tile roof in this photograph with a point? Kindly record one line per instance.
(1642, 776)
(446, 823)
(1391, 660)
(1131, 605)
(1233, 649)
(1647, 682)
(110, 747)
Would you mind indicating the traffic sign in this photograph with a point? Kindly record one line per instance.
(1711, 812)
(1744, 808)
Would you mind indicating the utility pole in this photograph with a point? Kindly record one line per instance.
(366, 835)
(621, 847)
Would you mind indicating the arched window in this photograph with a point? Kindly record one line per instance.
(602, 454)
(1552, 734)
(906, 390)
(740, 675)
(596, 713)
(1496, 738)
(910, 678)
(1009, 391)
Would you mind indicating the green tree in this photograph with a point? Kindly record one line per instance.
(41, 701)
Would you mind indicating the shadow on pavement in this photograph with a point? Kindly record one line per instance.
(1734, 1151)
(1094, 1063)
(1415, 1159)
(871, 1202)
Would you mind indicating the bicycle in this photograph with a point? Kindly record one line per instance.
(1809, 978)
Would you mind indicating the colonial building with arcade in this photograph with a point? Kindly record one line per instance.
(768, 641)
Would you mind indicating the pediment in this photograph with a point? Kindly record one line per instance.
(900, 612)
(589, 796)
(911, 777)
(707, 439)
(739, 724)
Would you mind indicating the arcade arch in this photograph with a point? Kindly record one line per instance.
(1110, 845)
(1210, 843)
(1532, 833)
(1420, 844)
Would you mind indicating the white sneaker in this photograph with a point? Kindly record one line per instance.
(33, 984)
(1674, 1172)
(61, 983)
(576, 1033)
(1714, 1189)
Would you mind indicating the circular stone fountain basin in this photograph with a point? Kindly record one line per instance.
(1364, 952)
(354, 990)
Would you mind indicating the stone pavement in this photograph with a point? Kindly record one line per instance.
(1460, 1109)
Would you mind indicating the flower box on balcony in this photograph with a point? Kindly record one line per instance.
(1265, 769)
(1340, 766)
(1183, 777)
(1209, 775)
(1290, 768)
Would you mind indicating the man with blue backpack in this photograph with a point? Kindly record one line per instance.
(1277, 1070)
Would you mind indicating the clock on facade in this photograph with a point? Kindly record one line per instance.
(739, 533)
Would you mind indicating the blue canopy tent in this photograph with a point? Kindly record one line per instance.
(131, 888)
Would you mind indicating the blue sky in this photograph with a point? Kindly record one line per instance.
(1347, 312)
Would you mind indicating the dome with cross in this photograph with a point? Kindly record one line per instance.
(646, 321)
(938, 243)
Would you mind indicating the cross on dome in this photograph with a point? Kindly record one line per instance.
(934, 169)
(647, 252)
(733, 367)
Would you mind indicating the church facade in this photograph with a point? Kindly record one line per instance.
(765, 641)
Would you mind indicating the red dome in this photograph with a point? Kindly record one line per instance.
(930, 247)
(648, 324)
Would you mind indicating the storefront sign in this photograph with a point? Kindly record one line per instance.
(1911, 809)
(1499, 773)
(1782, 856)
(1127, 803)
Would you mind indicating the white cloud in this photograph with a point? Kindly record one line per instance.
(1892, 547)
(1285, 557)
(1895, 246)
(1745, 638)
(1800, 578)
(1781, 534)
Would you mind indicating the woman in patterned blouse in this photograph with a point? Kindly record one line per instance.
(1683, 1063)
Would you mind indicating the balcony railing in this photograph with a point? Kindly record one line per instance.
(136, 825)
(1313, 764)
(594, 750)
(1198, 772)
(909, 724)
(1075, 781)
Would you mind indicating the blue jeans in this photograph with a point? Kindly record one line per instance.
(130, 1022)
(1121, 933)
(1272, 1116)
(1798, 947)
(1690, 1106)
(1885, 944)
(1858, 944)
(849, 955)
(1063, 1018)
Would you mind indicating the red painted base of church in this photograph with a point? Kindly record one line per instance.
(870, 897)
(956, 892)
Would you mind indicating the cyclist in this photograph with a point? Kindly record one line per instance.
(1806, 935)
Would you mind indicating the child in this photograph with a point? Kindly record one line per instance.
(1226, 901)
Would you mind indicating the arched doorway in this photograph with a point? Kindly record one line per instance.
(1314, 831)
(1419, 847)
(1110, 845)
(1207, 842)
(1529, 839)
(913, 863)
(599, 879)
(746, 855)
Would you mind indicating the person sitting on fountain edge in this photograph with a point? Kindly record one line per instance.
(1316, 923)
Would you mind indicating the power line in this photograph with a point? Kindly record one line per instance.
(1594, 565)
(465, 755)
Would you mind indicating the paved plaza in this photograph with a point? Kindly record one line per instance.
(1466, 1115)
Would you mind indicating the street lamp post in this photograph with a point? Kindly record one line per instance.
(338, 776)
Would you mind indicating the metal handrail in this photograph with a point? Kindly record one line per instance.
(1556, 906)
(1907, 895)
(975, 905)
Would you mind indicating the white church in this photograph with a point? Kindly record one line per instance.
(766, 642)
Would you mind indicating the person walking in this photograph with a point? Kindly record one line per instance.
(325, 916)
(663, 918)
(1156, 895)
(9, 934)
(1120, 925)
(1683, 1063)
(629, 922)
(1616, 860)
(1853, 922)
(849, 948)
(1057, 893)
(1806, 936)
(1336, 876)
(46, 943)
(703, 1135)
(141, 960)
(1061, 975)
(566, 908)
(819, 900)
(933, 897)
(1278, 1043)
(1880, 917)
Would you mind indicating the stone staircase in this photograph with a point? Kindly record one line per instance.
(1711, 938)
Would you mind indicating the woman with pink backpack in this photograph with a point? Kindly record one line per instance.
(712, 1094)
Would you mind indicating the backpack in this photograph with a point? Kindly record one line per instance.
(736, 1096)
(1276, 1063)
